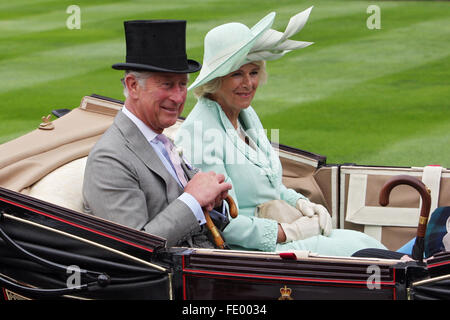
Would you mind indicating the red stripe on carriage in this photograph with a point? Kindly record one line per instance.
(243, 275)
(265, 278)
(438, 264)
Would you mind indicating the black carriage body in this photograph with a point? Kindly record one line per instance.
(139, 266)
(62, 253)
(237, 275)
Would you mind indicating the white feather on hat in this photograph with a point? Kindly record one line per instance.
(231, 45)
(274, 44)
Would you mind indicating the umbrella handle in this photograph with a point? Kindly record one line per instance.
(232, 206)
(218, 240)
(424, 211)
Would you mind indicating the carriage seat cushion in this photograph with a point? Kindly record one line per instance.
(62, 186)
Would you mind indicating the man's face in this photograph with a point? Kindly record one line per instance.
(160, 102)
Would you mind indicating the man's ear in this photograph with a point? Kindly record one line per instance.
(132, 85)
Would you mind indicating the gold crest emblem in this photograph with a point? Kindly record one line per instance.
(285, 293)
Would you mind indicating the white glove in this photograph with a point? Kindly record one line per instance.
(310, 209)
(301, 228)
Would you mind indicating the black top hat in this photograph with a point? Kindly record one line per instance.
(157, 45)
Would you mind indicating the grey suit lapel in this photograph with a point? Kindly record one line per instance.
(137, 143)
(190, 171)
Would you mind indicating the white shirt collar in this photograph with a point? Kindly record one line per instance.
(148, 133)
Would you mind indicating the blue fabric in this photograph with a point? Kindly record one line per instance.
(407, 248)
(437, 237)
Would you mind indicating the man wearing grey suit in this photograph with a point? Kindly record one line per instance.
(132, 176)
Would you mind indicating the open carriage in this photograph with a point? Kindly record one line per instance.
(49, 248)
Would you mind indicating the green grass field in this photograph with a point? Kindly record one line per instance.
(377, 97)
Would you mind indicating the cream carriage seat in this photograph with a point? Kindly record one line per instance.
(62, 186)
(48, 163)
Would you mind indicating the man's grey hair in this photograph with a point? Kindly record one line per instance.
(140, 76)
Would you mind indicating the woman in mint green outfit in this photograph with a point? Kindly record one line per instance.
(224, 134)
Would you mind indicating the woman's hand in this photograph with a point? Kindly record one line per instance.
(302, 228)
(281, 236)
(309, 209)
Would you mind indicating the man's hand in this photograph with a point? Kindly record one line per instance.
(208, 188)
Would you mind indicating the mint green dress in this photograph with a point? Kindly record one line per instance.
(210, 142)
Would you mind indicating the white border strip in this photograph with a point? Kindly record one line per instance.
(358, 212)
(296, 157)
(342, 201)
(334, 196)
(432, 179)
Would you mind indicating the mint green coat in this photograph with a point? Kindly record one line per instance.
(210, 142)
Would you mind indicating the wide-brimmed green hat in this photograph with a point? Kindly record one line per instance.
(231, 45)
(226, 46)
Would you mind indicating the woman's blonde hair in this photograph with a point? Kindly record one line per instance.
(213, 85)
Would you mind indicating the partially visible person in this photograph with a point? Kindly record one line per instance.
(133, 176)
(224, 134)
(437, 237)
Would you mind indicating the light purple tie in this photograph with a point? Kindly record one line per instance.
(174, 158)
